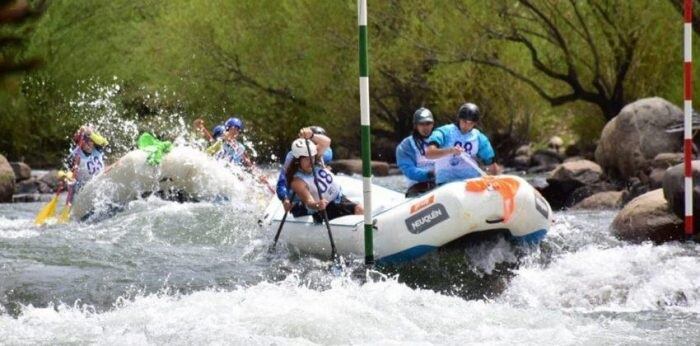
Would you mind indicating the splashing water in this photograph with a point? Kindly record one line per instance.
(164, 272)
(194, 273)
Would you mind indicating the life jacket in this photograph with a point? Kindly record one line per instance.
(330, 189)
(419, 146)
(454, 167)
(88, 165)
(231, 152)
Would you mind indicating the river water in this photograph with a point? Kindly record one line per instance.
(200, 273)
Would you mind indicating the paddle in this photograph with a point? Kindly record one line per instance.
(279, 229)
(471, 162)
(334, 255)
(65, 213)
(49, 209)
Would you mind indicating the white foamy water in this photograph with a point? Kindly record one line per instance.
(161, 272)
(608, 292)
(384, 312)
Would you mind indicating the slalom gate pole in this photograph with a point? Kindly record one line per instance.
(688, 113)
(365, 131)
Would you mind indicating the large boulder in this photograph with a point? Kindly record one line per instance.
(648, 217)
(379, 168)
(632, 139)
(656, 177)
(572, 182)
(7, 181)
(666, 160)
(601, 200)
(674, 190)
(544, 160)
(523, 150)
(580, 172)
(49, 180)
(556, 144)
(27, 186)
(585, 191)
(521, 162)
(22, 171)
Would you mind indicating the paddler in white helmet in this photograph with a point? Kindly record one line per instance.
(304, 177)
(318, 136)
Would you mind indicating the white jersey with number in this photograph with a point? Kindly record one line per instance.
(89, 165)
(330, 190)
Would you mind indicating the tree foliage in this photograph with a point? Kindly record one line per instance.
(535, 67)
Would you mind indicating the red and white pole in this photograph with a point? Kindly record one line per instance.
(688, 112)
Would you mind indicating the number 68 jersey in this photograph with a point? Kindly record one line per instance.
(330, 189)
(453, 167)
(89, 165)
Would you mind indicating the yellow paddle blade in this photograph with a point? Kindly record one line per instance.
(65, 214)
(47, 211)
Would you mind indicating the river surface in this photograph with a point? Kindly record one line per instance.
(200, 273)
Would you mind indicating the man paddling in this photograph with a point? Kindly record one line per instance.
(451, 146)
(410, 155)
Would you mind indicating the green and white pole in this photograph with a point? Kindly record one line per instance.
(365, 131)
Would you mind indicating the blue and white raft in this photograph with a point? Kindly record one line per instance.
(408, 228)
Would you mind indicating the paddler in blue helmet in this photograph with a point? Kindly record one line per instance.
(410, 155)
(217, 139)
(233, 151)
(456, 147)
(317, 135)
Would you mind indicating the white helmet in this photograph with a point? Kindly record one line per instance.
(299, 148)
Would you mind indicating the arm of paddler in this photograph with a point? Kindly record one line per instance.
(299, 187)
(214, 148)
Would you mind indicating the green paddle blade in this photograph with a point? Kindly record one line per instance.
(47, 211)
(155, 148)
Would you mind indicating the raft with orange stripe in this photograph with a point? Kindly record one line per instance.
(408, 228)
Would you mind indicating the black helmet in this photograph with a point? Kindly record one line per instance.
(317, 130)
(468, 111)
(422, 115)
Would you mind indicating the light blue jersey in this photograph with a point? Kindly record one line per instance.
(410, 157)
(232, 152)
(454, 167)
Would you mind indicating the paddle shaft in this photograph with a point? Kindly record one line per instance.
(279, 229)
(318, 189)
(471, 162)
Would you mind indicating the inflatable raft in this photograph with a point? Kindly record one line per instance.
(183, 174)
(408, 228)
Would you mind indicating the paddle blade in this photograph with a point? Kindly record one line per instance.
(65, 214)
(47, 211)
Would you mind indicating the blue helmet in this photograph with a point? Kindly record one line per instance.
(217, 131)
(234, 122)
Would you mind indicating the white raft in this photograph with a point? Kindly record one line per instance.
(407, 228)
(183, 170)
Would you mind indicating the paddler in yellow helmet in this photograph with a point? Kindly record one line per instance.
(86, 159)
